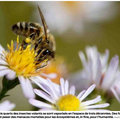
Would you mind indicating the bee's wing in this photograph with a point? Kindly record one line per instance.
(43, 22)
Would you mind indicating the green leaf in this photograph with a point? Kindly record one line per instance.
(8, 85)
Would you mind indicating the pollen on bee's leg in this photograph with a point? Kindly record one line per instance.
(24, 45)
(28, 40)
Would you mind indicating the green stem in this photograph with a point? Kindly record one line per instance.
(7, 85)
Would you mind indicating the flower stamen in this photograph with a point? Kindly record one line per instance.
(22, 61)
(68, 103)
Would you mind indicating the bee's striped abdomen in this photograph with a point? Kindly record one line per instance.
(26, 29)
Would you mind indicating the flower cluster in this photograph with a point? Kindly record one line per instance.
(96, 70)
(21, 64)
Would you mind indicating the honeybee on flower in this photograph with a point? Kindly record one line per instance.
(26, 61)
(20, 63)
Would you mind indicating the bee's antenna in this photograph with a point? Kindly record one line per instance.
(43, 22)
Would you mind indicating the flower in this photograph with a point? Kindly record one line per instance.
(75, 16)
(20, 63)
(6, 106)
(62, 98)
(97, 71)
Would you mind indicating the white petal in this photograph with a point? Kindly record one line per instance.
(3, 68)
(39, 104)
(98, 71)
(54, 93)
(110, 74)
(1, 48)
(66, 87)
(105, 57)
(26, 87)
(97, 106)
(88, 91)
(80, 94)
(39, 80)
(87, 66)
(2, 62)
(6, 106)
(57, 88)
(62, 83)
(90, 53)
(49, 87)
(51, 75)
(115, 94)
(4, 72)
(83, 59)
(89, 102)
(43, 95)
(72, 90)
(11, 75)
(117, 81)
(43, 87)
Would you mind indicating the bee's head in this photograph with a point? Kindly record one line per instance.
(45, 54)
(48, 53)
(51, 42)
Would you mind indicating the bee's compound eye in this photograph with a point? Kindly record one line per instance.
(46, 52)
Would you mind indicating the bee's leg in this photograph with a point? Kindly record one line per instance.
(38, 56)
(41, 64)
(32, 36)
(24, 45)
(42, 57)
(27, 41)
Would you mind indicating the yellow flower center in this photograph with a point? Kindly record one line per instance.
(68, 103)
(22, 61)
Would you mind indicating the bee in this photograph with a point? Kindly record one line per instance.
(40, 38)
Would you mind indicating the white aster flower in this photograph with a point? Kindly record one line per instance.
(6, 106)
(20, 63)
(72, 15)
(97, 71)
(63, 98)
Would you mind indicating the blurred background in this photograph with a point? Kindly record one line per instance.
(75, 25)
